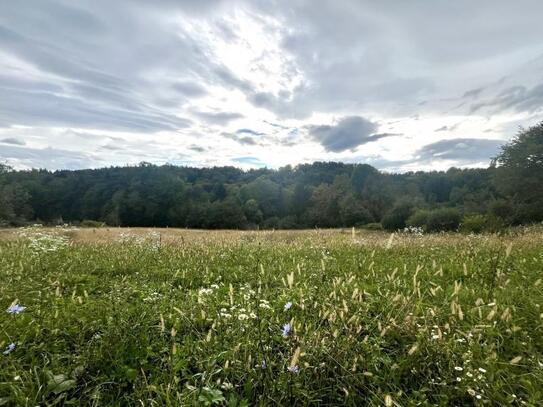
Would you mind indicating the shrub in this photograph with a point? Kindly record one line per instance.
(373, 226)
(479, 223)
(397, 217)
(437, 220)
(92, 224)
(473, 223)
(503, 210)
(270, 223)
(288, 222)
(443, 219)
(419, 219)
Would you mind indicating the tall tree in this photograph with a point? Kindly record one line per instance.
(519, 173)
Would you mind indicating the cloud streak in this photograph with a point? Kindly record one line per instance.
(284, 82)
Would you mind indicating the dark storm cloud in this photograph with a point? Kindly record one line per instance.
(347, 134)
(462, 150)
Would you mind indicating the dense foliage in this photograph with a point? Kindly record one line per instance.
(322, 194)
(185, 318)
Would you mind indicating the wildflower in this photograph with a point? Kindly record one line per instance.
(288, 305)
(458, 368)
(243, 317)
(15, 309)
(482, 370)
(263, 365)
(286, 330)
(9, 349)
(293, 369)
(227, 386)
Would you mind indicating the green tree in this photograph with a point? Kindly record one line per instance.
(353, 212)
(360, 175)
(252, 212)
(397, 217)
(519, 173)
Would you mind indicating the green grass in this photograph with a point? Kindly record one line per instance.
(433, 320)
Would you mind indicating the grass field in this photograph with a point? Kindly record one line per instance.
(175, 317)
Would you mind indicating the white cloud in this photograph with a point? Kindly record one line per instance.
(97, 83)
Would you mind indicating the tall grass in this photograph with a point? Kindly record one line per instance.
(192, 318)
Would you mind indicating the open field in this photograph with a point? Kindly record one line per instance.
(180, 317)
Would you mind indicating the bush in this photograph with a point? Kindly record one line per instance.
(372, 226)
(396, 218)
(503, 210)
(92, 224)
(270, 223)
(288, 222)
(473, 223)
(419, 219)
(437, 220)
(443, 219)
(479, 223)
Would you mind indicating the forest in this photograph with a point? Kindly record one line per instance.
(321, 194)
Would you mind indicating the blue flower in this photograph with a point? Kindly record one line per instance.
(264, 365)
(9, 349)
(286, 330)
(293, 369)
(15, 309)
(288, 305)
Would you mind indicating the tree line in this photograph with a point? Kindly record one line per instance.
(322, 194)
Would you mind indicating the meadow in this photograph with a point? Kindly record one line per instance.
(322, 317)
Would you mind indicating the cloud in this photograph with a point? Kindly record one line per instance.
(50, 158)
(346, 134)
(196, 148)
(252, 161)
(448, 128)
(249, 131)
(13, 140)
(190, 88)
(161, 72)
(218, 118)
(463, 150)
(517, 98)
(473, 93)
(243, 140)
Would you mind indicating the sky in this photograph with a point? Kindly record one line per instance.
(400, 85)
